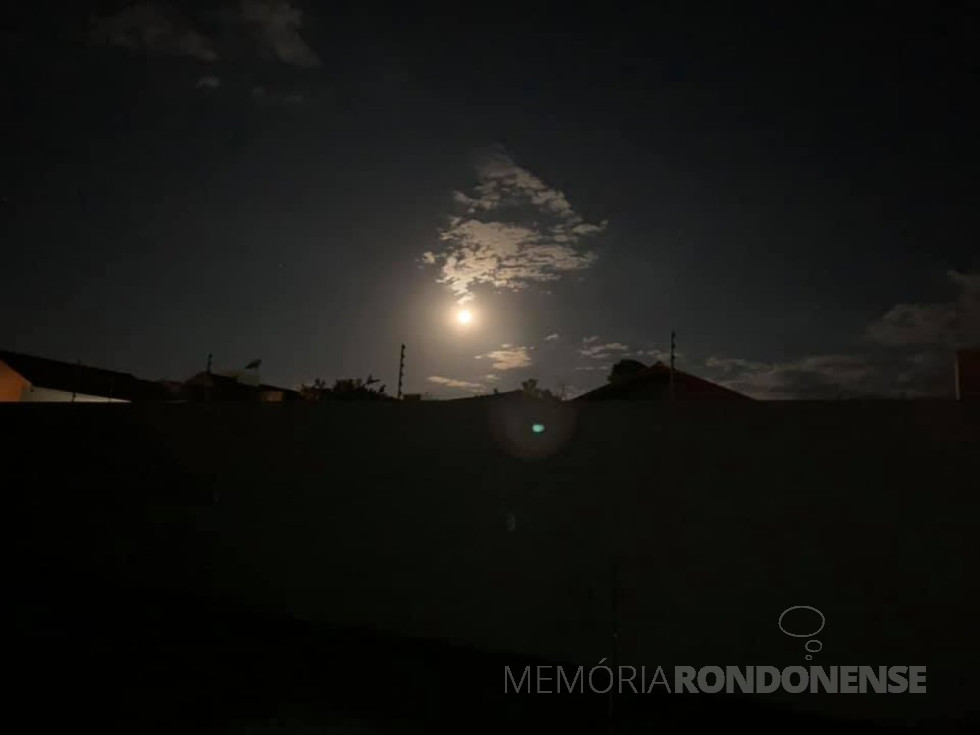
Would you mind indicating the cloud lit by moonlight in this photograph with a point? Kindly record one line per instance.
(514, 231)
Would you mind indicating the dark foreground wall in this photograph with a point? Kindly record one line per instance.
(636, 532)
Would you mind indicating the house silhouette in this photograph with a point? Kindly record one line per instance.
(27, 378)
(655, 383)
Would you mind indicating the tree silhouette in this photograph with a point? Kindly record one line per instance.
(625, 369)
(530, 389)
(345, 389)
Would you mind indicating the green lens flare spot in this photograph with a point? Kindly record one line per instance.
(537, 428)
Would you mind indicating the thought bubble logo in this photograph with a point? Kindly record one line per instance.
(811, 646)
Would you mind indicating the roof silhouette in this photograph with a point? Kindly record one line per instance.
(76, 378)
(653, 383)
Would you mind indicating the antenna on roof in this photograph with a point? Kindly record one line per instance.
(673, 346)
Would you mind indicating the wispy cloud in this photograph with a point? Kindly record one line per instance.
(208, 82)
(509, 357)
(270, 28)
(275, 25)
(884, 375)
(153, 29)
(595, 350)
(660, 355)
(815, 377)
(458, 384)
(552, 337)
(953, 323)
(538, 242)
(910, 354)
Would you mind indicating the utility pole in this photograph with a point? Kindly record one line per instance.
(672, 351)
(401, 372)
(208, 370)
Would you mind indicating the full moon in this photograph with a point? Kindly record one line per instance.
(464, 316)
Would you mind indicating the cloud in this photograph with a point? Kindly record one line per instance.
(270, 27)
(910, 355)
(510, 357)
(150, 28)
(483, 248)
(600, 351)
(730, 364)
(660, 355)
(909, 324)
(814, 377)
(552, 337)
(952, 324)
(275, 25)
(208, 82)
(459, 384)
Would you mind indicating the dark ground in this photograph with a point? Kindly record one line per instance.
(91, 655)
(123, 562)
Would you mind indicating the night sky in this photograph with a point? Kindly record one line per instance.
(793, 190)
